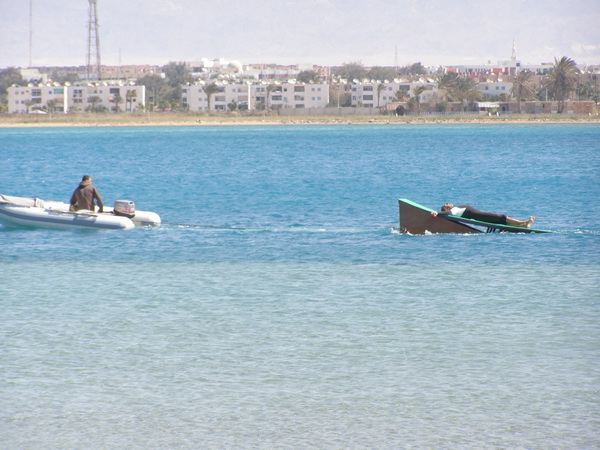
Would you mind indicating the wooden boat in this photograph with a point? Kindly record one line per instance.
(417, 219)
(37, 213)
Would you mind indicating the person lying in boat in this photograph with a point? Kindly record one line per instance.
(84, 195)
(468, 212)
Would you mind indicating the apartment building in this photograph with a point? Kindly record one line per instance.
(250, 96)
(31, 98)
(132, 97)
(377, 95)
(102, 96)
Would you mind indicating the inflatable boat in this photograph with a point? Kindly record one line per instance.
(38, 213)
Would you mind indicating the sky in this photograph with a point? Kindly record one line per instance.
(322, 32)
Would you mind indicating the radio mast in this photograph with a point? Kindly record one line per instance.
(93, 49)
(30, 33)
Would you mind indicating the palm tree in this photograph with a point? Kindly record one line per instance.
(117, 100)
(209, 90)
(94, 100)
(412, 104)
(51, 105)
(129, 96)
(417, 92)
(270, 88)
(380, 88)
(469, 88)
(562, 80)
(156, 89)
(524, 87)
(588, 91)
(447, 85)
(28, 104)
(402, 95)
(232, 106)
(458, 88)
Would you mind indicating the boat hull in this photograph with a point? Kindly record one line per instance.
(36, 213)
(417, 219)
(24, 216)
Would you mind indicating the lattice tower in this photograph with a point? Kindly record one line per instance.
(93, 49)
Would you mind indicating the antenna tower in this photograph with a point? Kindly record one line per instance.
(93, 49)
(30, 33)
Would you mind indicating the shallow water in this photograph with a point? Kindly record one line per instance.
(279, 306)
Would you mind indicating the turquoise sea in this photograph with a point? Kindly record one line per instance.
(279, 307)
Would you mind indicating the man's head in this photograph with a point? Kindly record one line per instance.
(447, 207)
(87, 178)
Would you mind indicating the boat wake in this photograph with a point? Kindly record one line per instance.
(269, 229)
(188, 226)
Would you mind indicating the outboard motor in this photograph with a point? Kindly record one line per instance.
(124, 208)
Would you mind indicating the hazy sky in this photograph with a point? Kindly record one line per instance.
(325, 32)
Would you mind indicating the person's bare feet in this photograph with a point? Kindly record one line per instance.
(530, 221)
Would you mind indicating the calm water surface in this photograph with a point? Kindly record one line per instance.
(279, 307)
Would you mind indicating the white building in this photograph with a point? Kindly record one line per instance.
(132, 97)
(250, 96)
(102, 96)
(378, 94)
(495, 89)
(25, 99)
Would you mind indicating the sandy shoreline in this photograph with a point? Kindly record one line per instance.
(181, 119)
